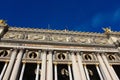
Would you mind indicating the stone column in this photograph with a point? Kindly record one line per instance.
(111, 71)
(83, 77)
(86, 71)
(103, 68)
(37, 71)
(70, 73)
(55, 66)
(75, 68)
(50, 66)
(3, 70)
(10, 65)
(17, 65)
(43, 71)
(98, 70)
(22, 71)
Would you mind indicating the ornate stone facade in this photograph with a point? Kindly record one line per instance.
(37, 54)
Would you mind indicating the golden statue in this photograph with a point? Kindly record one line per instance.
(3, 23)
(107, 30)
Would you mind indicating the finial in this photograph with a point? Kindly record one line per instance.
(3, 23)
(107, 30)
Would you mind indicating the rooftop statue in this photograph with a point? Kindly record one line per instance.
(107, 30)
(3, 23)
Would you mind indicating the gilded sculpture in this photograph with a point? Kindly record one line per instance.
(107, 30)
(3, 23)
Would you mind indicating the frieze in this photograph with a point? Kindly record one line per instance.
(35, 37)
(100, 41)
(77, 39)
(13, 35)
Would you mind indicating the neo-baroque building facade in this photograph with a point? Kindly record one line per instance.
(39, 54)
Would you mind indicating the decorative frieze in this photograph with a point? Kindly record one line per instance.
(14, 35)
(25, 36)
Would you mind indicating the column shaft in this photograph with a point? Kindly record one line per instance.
(10, 65)
(103, 68)
(50, 67)
(43, 72)
(70, 73)
(3, 71)
(75, 68)
(111, 71)
(22, 72)
(17, 65)
(98, 70)
(56, 77)
(81, 67)
(86, 71)
(37, 72)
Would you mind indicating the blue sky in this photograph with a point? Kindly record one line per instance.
(76, 15)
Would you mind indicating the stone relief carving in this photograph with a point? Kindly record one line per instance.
(35, 37)
(48, 37)
(56, 38)
(59, 38)
(78, 39)
(13, 35)
(100, 41)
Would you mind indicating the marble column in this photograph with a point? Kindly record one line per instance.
(70, 73)
(22, 71)
(10, 65)
(17, 65)
(37, 71)
(103, 68)
(55, 66)
(43, 71)
(86, 71)
(83, 77)
(75, 67)
(111, 71)
(50, 66)
(3, 70)
(98, 70)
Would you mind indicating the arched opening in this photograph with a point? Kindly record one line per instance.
(88, 57)
(3, 53)
(111, 57)
(61, 56)
(32, 55)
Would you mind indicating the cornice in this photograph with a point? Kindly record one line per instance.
(63, 32)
